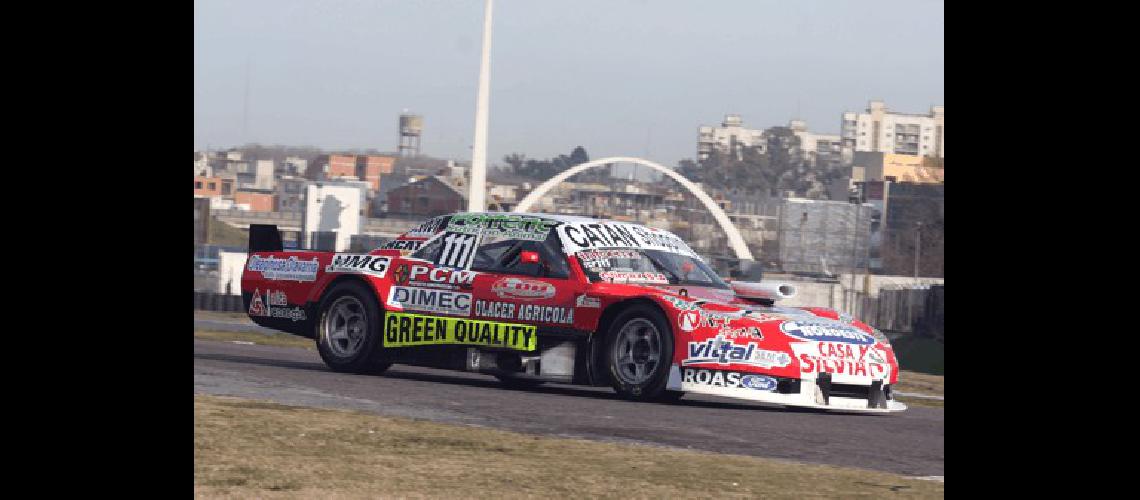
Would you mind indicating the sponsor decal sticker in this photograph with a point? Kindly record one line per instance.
(758, 382)
(596, 265)
(428, 300)
(598, 260)
(689, 320)
(494, 309)
(587, 301)
(820, 331)
(426, 229)
(401, 274)
(717, 378)
(842, 358)
(681, 304)
(608, 254)
(439, 277)
(579, 237)
(256, 306)
(546, 314)
(743, 332)
(408, 330)
(509, 226)
(876, 356)
(721, 351)
(522, 289)
(403, 245)
(631, 276)
(764, 317)
(290, 269)
(720, 319)
(293, 313)
(372, 265)
(277, 298)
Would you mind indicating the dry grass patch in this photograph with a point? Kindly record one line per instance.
(223, 316)
(280, 340)
(921, 402)
(921, 383)
(246, 449)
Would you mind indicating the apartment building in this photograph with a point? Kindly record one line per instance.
(880, 130)
(730, 137)
(820, 149)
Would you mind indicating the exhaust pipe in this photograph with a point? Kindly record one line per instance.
(763, 291)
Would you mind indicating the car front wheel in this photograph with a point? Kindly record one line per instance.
(639, 353)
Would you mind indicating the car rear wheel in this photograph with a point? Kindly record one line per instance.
(348, 330)
(639, 353)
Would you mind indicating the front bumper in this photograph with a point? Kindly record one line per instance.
(846, 395)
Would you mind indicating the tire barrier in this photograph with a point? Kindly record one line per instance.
(206, 301)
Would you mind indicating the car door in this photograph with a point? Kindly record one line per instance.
(523, 281)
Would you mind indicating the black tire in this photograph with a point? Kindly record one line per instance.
(351, 353)
(518, 383)
(651, 385)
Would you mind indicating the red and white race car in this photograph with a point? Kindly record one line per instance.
(532, 298)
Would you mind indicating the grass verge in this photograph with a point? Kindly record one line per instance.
(920, 402)
(281, 340)
(239, 317)
(245, 448)
(923, 383)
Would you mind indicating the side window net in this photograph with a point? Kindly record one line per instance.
(497, 254)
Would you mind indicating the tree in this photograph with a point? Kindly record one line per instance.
(578, 156)
(689, 169)
(515, 162)
(518, 164)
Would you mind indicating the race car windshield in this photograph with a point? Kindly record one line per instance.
(647, 266)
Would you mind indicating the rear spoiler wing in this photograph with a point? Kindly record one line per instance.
(265, 238)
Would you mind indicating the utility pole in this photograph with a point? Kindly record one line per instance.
(478, 188)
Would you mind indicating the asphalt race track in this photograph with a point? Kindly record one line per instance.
(909, 443)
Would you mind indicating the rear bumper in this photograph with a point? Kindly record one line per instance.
(862, 396)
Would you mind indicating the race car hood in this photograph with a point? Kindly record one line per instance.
(722, 332)
(705, 293)
(719, 300)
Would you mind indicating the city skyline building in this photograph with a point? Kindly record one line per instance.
(880, 130)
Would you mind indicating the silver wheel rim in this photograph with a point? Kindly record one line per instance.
(637, 351)
(344, 327)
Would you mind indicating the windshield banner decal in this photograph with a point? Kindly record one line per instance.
(579, 237)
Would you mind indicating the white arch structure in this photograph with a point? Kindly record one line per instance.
(735, 240)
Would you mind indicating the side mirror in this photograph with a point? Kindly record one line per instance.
(528, 257)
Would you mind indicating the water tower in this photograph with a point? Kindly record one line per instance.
(411, 128)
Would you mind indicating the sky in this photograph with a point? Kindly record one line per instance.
(618, 77)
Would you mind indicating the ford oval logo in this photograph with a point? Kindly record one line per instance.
(826, 332)
(758, 382)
